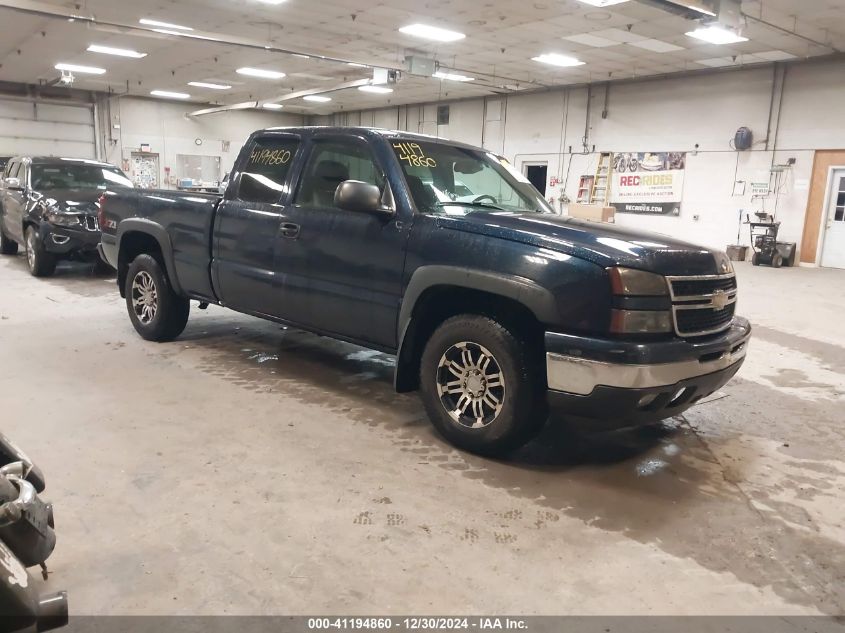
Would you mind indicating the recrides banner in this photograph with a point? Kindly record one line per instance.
(648, 182)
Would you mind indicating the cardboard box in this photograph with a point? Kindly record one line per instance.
(593, 212)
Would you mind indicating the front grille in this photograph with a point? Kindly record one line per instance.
(703, 305)
(91, 223)
(701, 321)
(698, 287)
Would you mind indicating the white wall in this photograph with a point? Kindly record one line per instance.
(164, 126)
(672, 114)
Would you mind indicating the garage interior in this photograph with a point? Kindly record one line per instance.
(252, 469)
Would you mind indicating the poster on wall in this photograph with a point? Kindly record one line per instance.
(650, 183)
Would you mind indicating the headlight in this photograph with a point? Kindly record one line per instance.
(63, 219)
(638, 283)
(640, 321)
(641, 303)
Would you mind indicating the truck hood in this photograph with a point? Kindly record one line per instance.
(603, 244)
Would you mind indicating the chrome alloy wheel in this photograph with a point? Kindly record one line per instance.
(471, 385)
(144, 297)
(30, 249)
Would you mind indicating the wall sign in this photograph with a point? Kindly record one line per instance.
(648, 183)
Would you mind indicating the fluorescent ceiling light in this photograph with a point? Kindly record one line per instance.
(317, 98)
(120, 52)
(170, 95)
(356, 64)
(603, 3)
(273, 106)
(432, 33)
(375, 89)
(717, 35)
(164, 25)
(657, 46)
(556, 59)
(451, 76)
(74, 68)
(261, 73)
(210, 86)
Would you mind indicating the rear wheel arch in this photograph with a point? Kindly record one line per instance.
(141, 237)
(425, 309)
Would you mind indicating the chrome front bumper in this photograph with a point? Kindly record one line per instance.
(581, 376)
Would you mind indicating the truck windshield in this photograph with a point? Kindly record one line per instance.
(452, 180)
(77, 176)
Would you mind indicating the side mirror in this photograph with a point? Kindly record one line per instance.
(361, 197)
(13, 184)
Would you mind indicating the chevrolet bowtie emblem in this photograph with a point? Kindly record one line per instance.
(720, 300)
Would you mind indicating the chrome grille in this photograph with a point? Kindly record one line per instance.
(90, 223)
(704, 304)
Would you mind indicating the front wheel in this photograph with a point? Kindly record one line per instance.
(157, 313)
(40, 262)
(482, 387)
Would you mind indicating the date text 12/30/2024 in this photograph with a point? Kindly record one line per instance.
(417, 624)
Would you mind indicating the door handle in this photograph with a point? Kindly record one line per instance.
(290, 231)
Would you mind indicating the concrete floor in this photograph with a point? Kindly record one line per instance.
(246, 469)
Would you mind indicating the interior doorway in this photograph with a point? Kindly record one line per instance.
(833, 247)
(538, 174)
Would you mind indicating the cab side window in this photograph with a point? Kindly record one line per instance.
(330, 164)
(264, 177)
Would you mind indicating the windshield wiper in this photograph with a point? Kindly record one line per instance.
(479, 205)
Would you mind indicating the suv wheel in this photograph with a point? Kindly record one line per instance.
(40, 262)
(7, 246)
(157, 313)
(482, 387)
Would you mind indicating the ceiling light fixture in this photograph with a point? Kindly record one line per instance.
(556, 59)
(260, 73)
(75, 68)
(451, 76)
(317, 98)
(210, 86)
(273, 106)
(435, 33)
(603, 3)
(375, 89)
(120, 52)
(716, 35)
(164, 25)
(356, 64)
(170, 95)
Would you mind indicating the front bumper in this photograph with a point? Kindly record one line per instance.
(63, 241)
(639, 383)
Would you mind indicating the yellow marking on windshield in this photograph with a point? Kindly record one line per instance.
(414, 155)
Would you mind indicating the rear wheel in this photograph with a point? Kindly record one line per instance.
(157, 313)
(8, 246)
(482, 387)
(40, 262)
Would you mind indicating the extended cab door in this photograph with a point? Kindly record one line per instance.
(15, 202)
(354, 260)
(247, 226)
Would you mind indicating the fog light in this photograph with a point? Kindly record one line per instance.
(60, 239)
(647, 400)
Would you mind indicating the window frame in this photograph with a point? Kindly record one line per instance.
(284, 196)
(322, 139)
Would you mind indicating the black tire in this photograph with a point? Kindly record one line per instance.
(162, 314)
(8, 246)
(522, 394)
(40, 262)
(755, 259)
(777, 260)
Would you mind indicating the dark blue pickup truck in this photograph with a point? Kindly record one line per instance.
(496, 308)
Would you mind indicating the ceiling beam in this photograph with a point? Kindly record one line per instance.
(246, 105)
